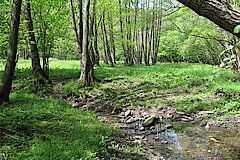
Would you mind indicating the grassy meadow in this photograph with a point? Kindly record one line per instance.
(34, 125)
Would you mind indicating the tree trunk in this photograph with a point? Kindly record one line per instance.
(97, 57)
(36, 66)
(12, 52)
(158, 34)
(147, 39)
(121, 28)
(74, 26)
(105, 58)
(112, 37)
(91, 33)
(218, 11)
(87, 73)
(109, 57)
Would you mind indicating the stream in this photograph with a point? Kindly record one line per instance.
(180, 141)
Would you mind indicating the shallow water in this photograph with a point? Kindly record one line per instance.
(192, 142)
(186, 141)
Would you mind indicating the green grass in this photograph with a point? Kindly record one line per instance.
(188, 87)
(39, 127)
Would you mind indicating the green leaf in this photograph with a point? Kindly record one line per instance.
(185, 10)
(237, 29)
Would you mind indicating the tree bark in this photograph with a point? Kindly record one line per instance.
(12, 52)
(109, 57)
(112, 42)
(121, 29)
(74, 26)
(158, 34)
(36, 66)
(97, 57)
(87, 72)
(218, 11)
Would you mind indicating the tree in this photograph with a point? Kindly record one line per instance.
(12, 52)
(218, 11)
(87, 72)
(36, 66)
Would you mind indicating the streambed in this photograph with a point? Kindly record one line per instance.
(181, 141)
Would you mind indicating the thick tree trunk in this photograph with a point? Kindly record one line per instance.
(87, 73)
(218, 11)
(36, 66)
(12, 52)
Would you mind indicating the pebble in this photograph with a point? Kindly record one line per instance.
(184, 120)
(131, 120)
(139, 137)
(205, 112)
(127, 113)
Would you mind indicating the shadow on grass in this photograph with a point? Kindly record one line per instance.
(36, 128)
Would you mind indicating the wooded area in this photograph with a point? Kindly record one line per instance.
(154, 64)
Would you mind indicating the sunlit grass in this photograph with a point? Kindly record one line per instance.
(39, 127)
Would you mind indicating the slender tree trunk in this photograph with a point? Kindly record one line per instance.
(12, 52)
(129, 53)
(105, 59)
(122, 34)
(97, 57)
(112, 38)
(87, 73)
(74, 26)
(45, 56)
(80, 24)
(36, 66)
(135, 37)
(158, 34)
(109, 57)
(91, 33)
(147, 39)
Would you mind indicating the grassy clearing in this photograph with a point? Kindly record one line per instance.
(39, 128)
(188, 87)
(35, 126)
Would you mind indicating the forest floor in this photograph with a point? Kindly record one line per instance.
(193, 107)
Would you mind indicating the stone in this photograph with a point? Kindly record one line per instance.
(131, 120)
(206, 112)
(156, 138)
(184, 120)
(137, 141)
(77, 104)
(168, 126)
(213, 139)
(127, 113)
(139, 137)
(181, 113)
(149, 121)
(164, 142)
(207, 127)
(189, 118)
